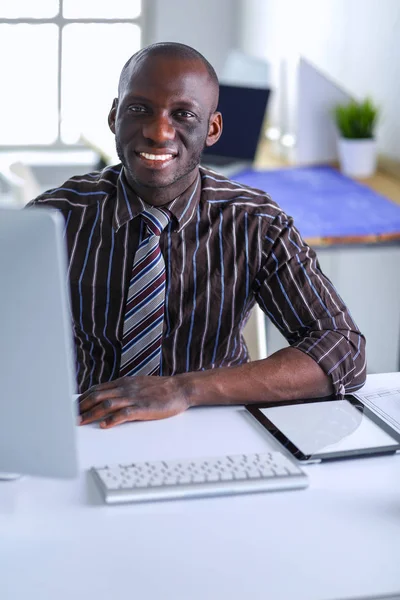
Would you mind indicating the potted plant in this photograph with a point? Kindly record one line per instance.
(356, 122)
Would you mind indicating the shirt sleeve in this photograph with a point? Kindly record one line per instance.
(302, 302)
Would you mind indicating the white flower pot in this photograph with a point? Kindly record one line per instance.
(357, 157)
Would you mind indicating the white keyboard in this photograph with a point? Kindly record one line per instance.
(223, 475)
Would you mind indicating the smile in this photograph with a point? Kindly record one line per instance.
(158, 157)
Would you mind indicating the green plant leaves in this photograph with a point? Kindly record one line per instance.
(356, 120)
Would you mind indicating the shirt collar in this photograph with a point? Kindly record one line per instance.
(129, 205)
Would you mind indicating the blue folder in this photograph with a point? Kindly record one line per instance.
(325, 204)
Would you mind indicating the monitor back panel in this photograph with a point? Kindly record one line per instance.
(37, 415)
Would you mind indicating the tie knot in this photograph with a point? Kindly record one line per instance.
(156, 219)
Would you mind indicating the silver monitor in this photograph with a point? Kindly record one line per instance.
(37, 414)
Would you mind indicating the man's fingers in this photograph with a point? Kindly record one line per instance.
(97, 395)
(129, 413)
(103, 409)
(108, 385)
(100, 386)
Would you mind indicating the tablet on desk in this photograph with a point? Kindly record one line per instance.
(323, 429)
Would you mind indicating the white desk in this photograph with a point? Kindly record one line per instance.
(338, 539)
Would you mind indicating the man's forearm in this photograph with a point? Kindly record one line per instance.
(287, 374)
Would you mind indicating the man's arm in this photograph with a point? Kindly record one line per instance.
(285, 374)
(289, 373)
(302, 302)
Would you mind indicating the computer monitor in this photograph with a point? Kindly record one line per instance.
(37, 413)
(243, 111)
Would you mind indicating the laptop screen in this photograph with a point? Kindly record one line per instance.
(243, 111)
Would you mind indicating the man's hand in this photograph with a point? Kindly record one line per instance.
(139, 398)
(287, 374)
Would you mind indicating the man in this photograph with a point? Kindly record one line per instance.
(167, 259)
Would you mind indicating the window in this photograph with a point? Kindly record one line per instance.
(61, 60)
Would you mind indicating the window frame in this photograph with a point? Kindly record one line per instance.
(61, 22)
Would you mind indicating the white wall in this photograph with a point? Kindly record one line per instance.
(210, 26)
(356, 42)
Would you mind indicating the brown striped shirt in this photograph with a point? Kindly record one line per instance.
(227, 247)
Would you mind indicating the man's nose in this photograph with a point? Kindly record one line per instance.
(159, 128)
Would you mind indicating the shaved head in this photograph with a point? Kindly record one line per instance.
(171, 50)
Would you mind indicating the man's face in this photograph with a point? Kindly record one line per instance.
(162, 120)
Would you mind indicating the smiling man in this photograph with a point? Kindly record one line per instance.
(162, 119)
(166, 260)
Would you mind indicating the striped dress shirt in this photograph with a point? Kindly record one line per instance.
(226, 247)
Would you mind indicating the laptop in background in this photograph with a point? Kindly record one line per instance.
(243, 110)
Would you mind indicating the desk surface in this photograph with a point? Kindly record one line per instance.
(338, 539)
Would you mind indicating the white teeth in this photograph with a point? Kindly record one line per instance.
(156, 156)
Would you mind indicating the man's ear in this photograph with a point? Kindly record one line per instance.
(112, 115)
(214, 129)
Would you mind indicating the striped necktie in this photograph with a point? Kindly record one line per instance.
(144, 312)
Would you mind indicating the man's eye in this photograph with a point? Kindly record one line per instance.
(136, 108)
(184, 113)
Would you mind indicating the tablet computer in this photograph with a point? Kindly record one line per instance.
(320, 429)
